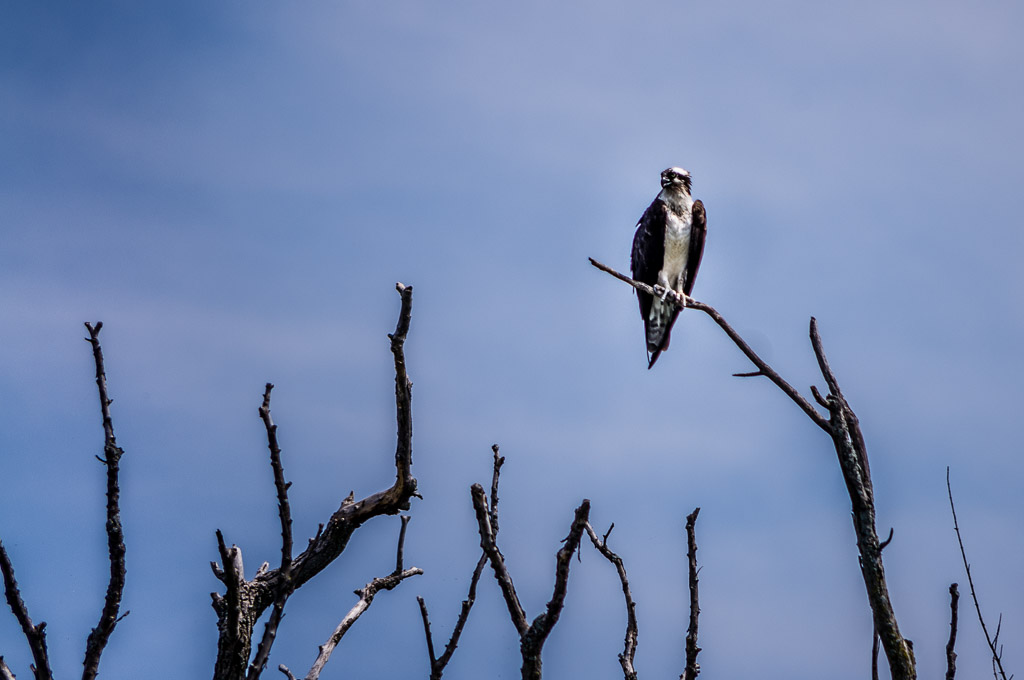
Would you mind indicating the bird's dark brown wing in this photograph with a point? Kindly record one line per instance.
(648, 251)
(698, 231)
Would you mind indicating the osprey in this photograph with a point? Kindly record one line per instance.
(667, 248)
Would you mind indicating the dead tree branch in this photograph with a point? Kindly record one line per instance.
(5, 671)
(438, 664)
(366, 595)
(844, 429)
(245, 600)
(35, 634)
(954, 601)
(115, 535)
(632, 630)
(997, 662)
(762, 366)
(692, 667)
(259, 662)
(531, 635)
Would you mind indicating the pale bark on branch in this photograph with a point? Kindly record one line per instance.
(366, 595)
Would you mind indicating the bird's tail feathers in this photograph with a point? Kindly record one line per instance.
(659, 329)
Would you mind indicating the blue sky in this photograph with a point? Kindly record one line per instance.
(234, 189)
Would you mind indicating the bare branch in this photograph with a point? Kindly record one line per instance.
(875, 641)
(997, 662)
(239, 611)
(437, 665)
(283, 507)
(532, 642)
(5, 671)
(843, 427)
(497, 560)
(426, 632)
(632, 631)
(115, 535)
(285, 589)
(35, 634)
(287, 673)
(498, 462)
(954, 601)
(692, 667)
(366, 596)
(763, 367)
(400, 557)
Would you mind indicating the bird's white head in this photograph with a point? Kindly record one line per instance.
(675, 179)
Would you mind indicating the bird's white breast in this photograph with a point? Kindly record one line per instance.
(678, 222)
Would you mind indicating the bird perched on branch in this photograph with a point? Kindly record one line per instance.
(667, 248)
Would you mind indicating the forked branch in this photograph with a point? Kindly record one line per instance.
(245, 600)
(438, 664)
(844, 429)
(532, 635)
(366, 595)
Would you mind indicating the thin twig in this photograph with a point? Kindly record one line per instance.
(437, 665)
(954, 601)
(35, 634)
(366, 596)
(692, 669)
(996, 660)
(112, 453)
(632, 631)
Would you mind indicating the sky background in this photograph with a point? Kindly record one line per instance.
(234, 189)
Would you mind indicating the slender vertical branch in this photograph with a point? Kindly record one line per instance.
(283, 507)
(954, 601)
(997, 662)
(35, 634)
(284, 588)
(115, 535)
(692, 667)
(632, 630)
